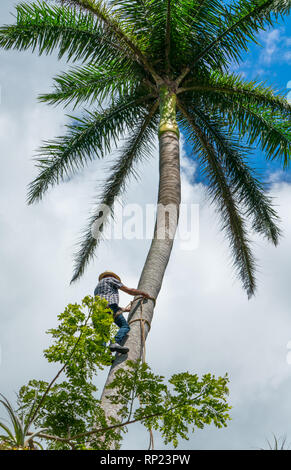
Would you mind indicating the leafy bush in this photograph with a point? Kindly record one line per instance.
(68, 413)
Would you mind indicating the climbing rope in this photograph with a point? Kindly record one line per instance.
(142, 321)
(142, 324)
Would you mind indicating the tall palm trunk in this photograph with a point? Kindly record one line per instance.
(169, 197)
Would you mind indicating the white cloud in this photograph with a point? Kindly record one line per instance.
(287, 57)
(271, 40)
(276, 46)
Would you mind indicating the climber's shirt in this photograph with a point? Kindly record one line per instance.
(107, 289)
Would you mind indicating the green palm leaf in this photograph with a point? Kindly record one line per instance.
(20, 426)
(112, 23)
(248, 190)
(94, 84)
(238, 25)
(222, 195)
(76, 34)
(93, 135)
(135, 12)
(137, 147)
(18, 436)
(262, 127)
(253, 93)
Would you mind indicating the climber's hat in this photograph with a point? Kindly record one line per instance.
(109, 274)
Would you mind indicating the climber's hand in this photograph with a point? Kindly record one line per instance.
(126, 309)
(147, 296)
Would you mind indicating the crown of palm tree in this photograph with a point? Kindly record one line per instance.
(129, 50)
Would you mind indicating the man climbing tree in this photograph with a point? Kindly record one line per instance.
(107, 288)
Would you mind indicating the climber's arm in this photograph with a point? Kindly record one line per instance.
(135, 292)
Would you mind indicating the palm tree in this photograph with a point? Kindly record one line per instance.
(152, 67)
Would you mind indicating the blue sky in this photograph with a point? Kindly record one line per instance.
(268, 62)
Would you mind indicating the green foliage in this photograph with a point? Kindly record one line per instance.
(217, 84)
(68, 414)
(223, 195)
(78, 35)
(69, 409)
(171, 408)
(280, 443)
(91, 84)
(17, 436)
(88, 137)
(79, 339)
(137, 147)
(129, 49)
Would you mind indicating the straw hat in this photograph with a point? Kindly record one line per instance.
(107, 274)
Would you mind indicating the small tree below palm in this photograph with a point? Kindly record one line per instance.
(69, 414)
(157, 68)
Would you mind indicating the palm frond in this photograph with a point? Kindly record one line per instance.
(168, 36)
(137, 147)
(114, 25)
(135, 12)
(247, 189)
(90, 83)
(263, 127)
(235, 26)
(242, 21)
(76, 34)
(231, 85)
(222, 195)
(277, 445)
(87, 138)
(202, 20)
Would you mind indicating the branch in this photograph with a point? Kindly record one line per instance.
(119, 425)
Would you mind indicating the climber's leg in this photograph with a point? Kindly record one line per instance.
(124, 328)
(120, 321)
